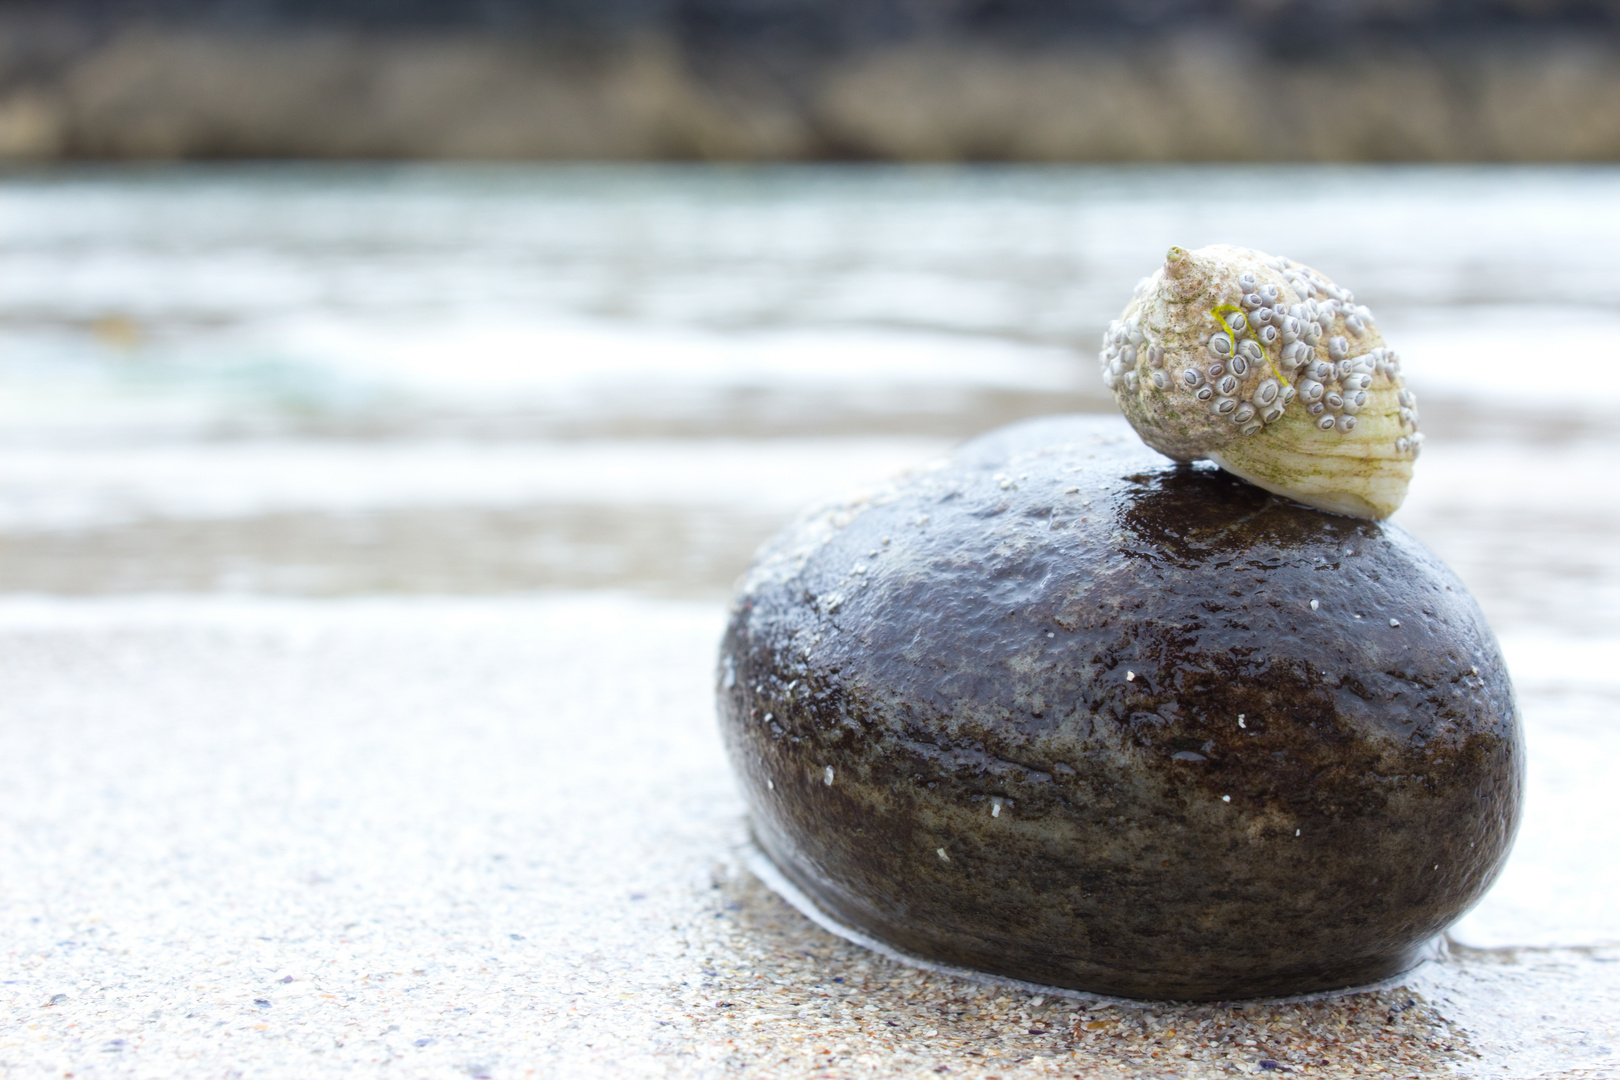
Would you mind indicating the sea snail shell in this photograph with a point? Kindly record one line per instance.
(1346, 433)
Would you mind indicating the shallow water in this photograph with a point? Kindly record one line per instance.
(314, 385)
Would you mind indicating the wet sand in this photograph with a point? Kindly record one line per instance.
(450, 837)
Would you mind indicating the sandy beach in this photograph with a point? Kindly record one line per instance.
(366, 539)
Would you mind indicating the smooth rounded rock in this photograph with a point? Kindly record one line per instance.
(1061, 710)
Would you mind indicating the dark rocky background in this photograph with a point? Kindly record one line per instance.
(1062, 80)
(854, 23)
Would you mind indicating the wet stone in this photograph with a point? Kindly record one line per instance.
(1089, 730)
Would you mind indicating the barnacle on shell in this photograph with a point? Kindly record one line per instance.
(1270, 370)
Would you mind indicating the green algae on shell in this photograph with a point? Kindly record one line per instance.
(1063, 711)
(1272, 371)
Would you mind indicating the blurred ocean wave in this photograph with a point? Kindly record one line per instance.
(185, 352)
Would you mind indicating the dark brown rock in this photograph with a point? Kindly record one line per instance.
(1206, 788)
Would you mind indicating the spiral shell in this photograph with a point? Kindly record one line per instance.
(1275, 373)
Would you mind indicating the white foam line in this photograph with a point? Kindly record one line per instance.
(58, 488)
(405, 614)
(1553, 664)
(563, 355)
(1479, 352)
